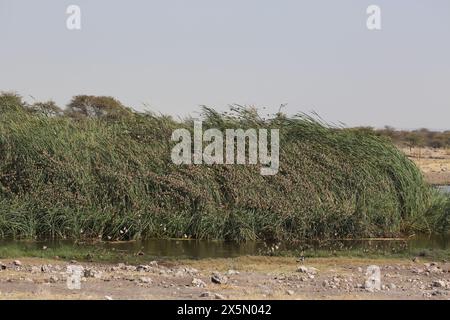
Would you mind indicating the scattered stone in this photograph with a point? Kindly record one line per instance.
(123, 266)
(45, 268)
(232, 272)
(313, 270)
(108, 298)
(53, 279)
(162, 272)
(418, 270)
(92, 273)
(360, 270)
(439, 284)
(153, 263)
(2, 266)
(145, 280)
(198, 283)
(218, 296)
(290, 292)
(338, 282)
(205, 294)
(438, 293)
(143, 268)
(302, 269)
(280, 277)
(434, 269)
(188, 270)
(35, 269)
(392, 286)
(310, 270)
(218, 278)
(179, 273)
(130, 268)
(17, 263)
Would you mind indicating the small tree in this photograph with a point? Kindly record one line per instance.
(11, 101)
(414, 139)
(96, 107)
(48, 109)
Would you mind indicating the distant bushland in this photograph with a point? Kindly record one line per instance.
(418, 138)
(97, 169)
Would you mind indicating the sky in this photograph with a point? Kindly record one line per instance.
(172, 56)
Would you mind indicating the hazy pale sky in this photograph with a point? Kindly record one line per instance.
(175, 55)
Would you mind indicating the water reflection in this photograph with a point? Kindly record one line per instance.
(220, 249)
(189, 248)
(445, 189)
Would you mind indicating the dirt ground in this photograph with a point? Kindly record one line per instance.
(434, 163)
(237, 278)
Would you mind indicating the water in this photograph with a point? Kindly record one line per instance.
(158, 248)
(189, 248)
(194, 249)
(445, 189)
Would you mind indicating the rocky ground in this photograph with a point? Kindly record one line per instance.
(239, 278)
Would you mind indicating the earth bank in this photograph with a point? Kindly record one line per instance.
(247, 277)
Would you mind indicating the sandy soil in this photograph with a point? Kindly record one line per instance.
(434, 163)
(238, 278)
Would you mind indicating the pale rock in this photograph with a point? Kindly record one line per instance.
(232, 272)
(218, 278)
(145, 280)
(439, 284)
(198, 283)
(218, 296)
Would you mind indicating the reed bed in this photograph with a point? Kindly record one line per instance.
(113, 179)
